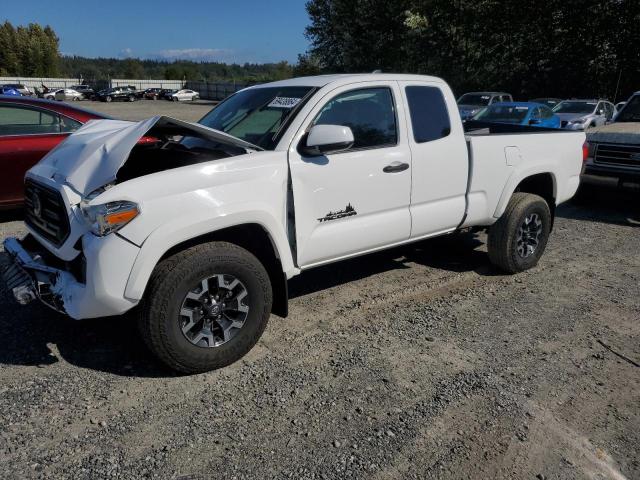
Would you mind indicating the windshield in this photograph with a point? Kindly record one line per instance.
(255, 115)
(631, 111)
(474, 99)
(503, 114)
(575, 107)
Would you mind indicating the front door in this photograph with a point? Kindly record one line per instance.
(358, 200)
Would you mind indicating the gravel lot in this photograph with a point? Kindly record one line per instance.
(419, 362)
(142, 109)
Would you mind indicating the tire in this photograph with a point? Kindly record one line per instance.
(160, 321)
(132, 98)
(505, 245)
(175, 99)
(108, 99)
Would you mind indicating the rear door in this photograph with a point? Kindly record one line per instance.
(26, 135)
(440, 165)
(351, 202)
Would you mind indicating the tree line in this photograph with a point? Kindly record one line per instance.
(554, 48)
(33, 51)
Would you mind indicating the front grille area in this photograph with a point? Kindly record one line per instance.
(46, 213)
(626, 155)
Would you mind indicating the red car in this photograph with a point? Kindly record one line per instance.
(29, 128)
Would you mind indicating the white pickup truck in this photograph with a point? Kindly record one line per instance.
(199, 226)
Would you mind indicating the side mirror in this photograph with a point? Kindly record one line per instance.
(326, 139)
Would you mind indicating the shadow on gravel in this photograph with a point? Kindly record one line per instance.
(11, 215)
(601, 200)
(454, 253)
(38, 336)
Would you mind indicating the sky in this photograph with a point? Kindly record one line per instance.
(227, 31)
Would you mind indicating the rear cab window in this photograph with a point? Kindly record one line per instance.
(429, 114)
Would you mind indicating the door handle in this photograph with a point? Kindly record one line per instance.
(395, 167)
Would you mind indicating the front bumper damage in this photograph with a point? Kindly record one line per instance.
(28, 278)
(96, 291)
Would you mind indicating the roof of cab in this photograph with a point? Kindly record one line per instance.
(343, 79)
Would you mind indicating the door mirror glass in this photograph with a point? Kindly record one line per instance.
(326, 139)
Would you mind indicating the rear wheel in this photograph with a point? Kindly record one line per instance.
(108, 98)
(205, 307)
(175, 99)
(519, 237)
(132, 98)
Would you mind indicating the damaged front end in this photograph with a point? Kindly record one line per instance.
(28, 277)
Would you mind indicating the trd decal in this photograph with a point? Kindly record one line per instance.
(347, 212)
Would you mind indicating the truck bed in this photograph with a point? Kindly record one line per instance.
(500, 158)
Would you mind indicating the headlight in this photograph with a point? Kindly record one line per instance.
(109, 217)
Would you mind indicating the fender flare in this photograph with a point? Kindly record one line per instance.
(169, 235)
(516, 178)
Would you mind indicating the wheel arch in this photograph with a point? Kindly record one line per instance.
(253, 237)
(542, 183)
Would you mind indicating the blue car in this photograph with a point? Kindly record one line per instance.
(519, 113)
(9, 91)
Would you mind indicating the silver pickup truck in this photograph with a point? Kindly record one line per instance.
(614, 149)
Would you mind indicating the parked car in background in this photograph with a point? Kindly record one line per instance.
(23, 89)
(584, 114)
(50, 94)
(29, 128)
(471, 103)
(117, 94)
(87, 92)
(68, 94)
(152, 93)
(184, 94)
(166, 94)
(519, 113)
(5, 90)
(204, 228)
(614, 149)
(549, 102)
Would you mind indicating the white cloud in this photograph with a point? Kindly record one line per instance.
(195, 54)
(125, 53)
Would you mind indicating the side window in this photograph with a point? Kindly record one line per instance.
(18, 120)
(609, 109)
(536, 114)
(429, 115)
(600, 109)
(546, 113)
(369, 112)
(68, 124)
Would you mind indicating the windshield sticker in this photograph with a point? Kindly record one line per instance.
(284, 102)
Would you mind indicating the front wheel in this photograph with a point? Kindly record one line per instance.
(132, 98)
(205, 307)
(108, 98)
(519, 237)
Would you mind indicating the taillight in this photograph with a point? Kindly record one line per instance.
(585, 151)
(146, 140)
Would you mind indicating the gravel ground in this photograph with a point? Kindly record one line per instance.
(143, 109)
(419, 362)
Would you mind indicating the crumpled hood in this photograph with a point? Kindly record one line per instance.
(623, 132)
(91, 157)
